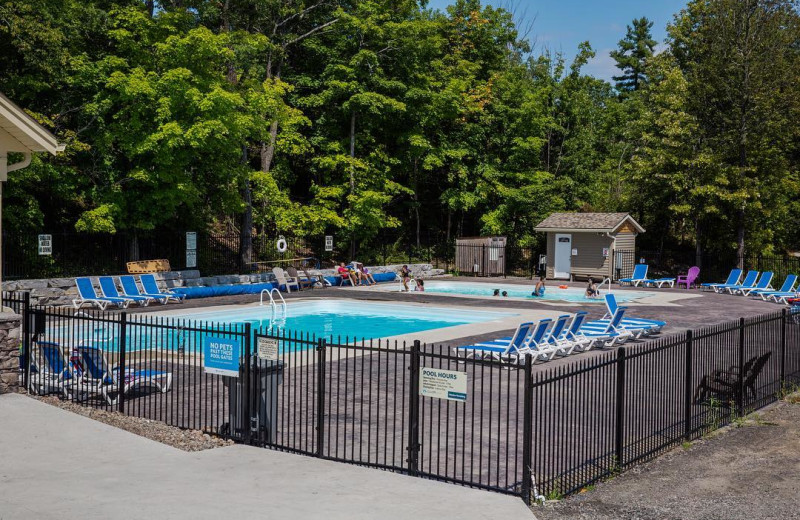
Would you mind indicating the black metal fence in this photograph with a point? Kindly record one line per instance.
(520, 429)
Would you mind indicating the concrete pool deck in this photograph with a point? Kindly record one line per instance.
(61, 465)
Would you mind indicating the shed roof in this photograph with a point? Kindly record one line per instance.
(19, 132)
(597, 222)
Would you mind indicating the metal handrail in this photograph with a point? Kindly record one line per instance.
(605, 280)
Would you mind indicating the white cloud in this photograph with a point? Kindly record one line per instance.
(602, 66)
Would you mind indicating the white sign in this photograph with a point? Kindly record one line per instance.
(45, 244)
(443, 384)
(191, 258)
(605, 252)
(328, 243)
(268, 349)
(191, 249)
(574, 252)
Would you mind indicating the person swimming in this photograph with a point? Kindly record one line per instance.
(505, 294)
(538, 291)
(420, 285)
(496, 292)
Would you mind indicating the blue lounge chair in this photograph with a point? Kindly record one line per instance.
(554, 342)
(639, 275)
(86, 294)
(150, 286)
(607, 334)
(647, 325)
(50, 369)
(131, 290)
(573, 335)
(764, 284)
(109, 289)
(749, 281)
(786, 290)
(733, 279)
(97, 376)
(501, 348)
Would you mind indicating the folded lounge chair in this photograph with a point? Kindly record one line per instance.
(659, 282)
(131, 290)
(86, 294)
(639, 275)
(97, 376)
(109, 290)
(733, 279)
(150, 287)
(689, 278)
(764, 284)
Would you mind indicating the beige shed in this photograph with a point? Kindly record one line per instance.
(583, 245)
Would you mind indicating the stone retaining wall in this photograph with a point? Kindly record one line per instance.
(10, 328)
(61, 291)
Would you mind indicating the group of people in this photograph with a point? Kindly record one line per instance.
(405, 276)
(592, 290)
(355, 273)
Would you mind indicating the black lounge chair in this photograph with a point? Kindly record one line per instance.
(725, 383)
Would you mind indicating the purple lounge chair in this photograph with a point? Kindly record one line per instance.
(689, 278)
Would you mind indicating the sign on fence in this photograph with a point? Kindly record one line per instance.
(443, 384)
(328, 243)
(191, 249)
(221, 356)
(268, 349)
(45, 244)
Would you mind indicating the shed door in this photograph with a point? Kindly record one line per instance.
(563, 256)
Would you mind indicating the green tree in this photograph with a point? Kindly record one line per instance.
(632, 55)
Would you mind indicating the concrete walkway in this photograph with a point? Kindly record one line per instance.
(58, 465)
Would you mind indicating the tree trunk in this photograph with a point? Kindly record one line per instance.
(246, 230)
(268, 151)
(415, 197)
(352, 177)
(133, 248)
(698, 244)
(740, 237)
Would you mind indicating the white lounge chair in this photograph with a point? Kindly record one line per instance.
(285, 280)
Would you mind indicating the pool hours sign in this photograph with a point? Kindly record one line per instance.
(443, 384)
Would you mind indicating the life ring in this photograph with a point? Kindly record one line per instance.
(563, 286)
(280, 245)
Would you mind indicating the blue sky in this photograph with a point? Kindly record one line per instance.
(562, 24)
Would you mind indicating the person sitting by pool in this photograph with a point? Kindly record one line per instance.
(405, 275)
(591, 289)
(355, 272)
(496, 292)
(365, 275)
(420, 285)
(538, 291)
(344, 272)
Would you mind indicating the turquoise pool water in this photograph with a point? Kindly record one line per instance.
(552, 292)
(330, 319)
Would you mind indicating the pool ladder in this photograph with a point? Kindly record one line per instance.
(606, 280)
(278, 318)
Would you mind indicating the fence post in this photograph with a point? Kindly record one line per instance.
(740, 384)
(413, 411)
(320, 396)
(687, 388)
(527, 433)
(247, 419)
(620, 416)
(483, 259)
(784, 317)
(123, 345)
(26, 340)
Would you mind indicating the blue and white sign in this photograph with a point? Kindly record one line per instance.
(443, 384)
(221, 356)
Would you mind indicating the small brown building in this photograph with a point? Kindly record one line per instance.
(583, 245)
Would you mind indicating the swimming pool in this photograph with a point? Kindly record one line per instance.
(337, 320)
(350, 318)
(552, 293)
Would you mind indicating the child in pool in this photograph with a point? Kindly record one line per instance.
(591, 290)
(420, 285)
(496, 292)
(538, 291)
(505, 294)
(405, 275)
